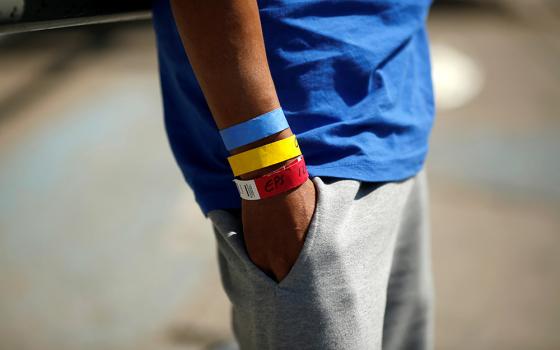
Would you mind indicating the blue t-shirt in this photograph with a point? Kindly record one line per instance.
(353, 78)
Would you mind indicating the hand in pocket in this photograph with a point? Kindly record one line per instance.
(274, 229)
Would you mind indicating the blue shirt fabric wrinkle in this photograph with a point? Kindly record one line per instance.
(353, 78)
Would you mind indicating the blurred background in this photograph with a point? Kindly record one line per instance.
(103, 247)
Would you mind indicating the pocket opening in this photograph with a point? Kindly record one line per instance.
(232, 225)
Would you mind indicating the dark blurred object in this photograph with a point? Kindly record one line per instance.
(27, 15)
(552, 6)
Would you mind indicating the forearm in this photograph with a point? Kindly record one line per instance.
(224, 43)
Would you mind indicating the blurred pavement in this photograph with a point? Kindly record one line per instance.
(103, 247)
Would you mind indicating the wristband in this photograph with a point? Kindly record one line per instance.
(263, 156)
(274, 183)
(254, 129)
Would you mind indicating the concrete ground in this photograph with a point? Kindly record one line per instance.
(103, 247)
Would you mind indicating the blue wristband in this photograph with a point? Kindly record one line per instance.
(254, 129)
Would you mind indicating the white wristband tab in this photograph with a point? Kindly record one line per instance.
(247, 189)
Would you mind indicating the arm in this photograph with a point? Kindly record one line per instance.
(224, 42)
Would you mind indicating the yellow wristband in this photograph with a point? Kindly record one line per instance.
(263, 156)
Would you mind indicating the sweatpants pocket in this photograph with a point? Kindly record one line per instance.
(229, 235)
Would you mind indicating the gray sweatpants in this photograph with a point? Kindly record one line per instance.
(362, 280)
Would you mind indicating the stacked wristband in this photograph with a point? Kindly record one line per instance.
(278, 181)
(264, 156)
(254, 129)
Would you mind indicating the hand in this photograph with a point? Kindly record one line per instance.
(275, 228)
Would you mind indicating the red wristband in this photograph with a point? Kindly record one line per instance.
(284, 179)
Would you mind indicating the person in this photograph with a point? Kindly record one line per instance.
(302, 127)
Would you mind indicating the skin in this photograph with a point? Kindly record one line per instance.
(224, 43)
